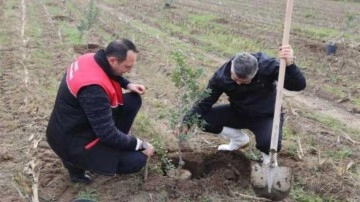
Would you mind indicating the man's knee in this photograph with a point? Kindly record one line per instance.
(133, 100)
(212, 128)
(265, 146)
(137, 162)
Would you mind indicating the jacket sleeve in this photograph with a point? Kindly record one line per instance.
(204, 105)
(294, 79)
(96, 106)
(123, 82)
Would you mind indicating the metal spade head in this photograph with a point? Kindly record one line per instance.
(271, 182)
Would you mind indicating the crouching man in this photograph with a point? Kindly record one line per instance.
(249, 81)
(90, 123)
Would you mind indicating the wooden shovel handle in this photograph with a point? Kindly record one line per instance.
(280, 83)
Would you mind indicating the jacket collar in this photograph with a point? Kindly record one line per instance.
(227, 72)
(102, 61)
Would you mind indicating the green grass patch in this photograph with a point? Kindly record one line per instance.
(317, 32)
(89, 194)
(52, 90)
(118, 2)
(41, 55)
(55, 10)
(339, 154)
(72, 8)
(309, 13)
(33, 28)
(333, 123)
(229, 45)
(201, 19)
(202, 29)
(336, 125)
(3, 38)
(226, 44)
(144, 28)
(71, 35)
(105, 35)
(357, 102)
(290, 141)
(288, 133)
(4, 35)
(9, 9)
(144, 126)
(335, 90)
(169, 29)
(300, 195)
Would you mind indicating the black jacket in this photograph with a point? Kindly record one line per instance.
(76, 121)
(256, 98)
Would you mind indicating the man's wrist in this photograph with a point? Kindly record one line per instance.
(144, 146)
(290, 61)
(138, 144)
(141, 145)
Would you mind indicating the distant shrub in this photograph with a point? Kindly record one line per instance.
(92, 13)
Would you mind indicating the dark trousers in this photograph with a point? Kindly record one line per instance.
(129, 161)
(223, 115)
(132, 104)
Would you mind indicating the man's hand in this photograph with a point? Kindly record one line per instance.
(137, 88)
(149, 150)
(287, 53)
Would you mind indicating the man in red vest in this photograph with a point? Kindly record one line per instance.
(90, 123)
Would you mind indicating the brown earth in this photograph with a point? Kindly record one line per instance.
(35, 51)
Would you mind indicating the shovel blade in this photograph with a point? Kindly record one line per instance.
(271, 182)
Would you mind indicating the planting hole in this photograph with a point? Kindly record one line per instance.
(232, 166)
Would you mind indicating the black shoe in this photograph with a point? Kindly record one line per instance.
(80, 178)
(77, 174)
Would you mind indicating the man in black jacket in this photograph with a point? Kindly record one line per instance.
(90, 123)
(249, 81)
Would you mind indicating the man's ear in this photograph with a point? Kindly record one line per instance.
(112, 60)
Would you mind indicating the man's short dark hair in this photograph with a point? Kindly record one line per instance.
(119, 49)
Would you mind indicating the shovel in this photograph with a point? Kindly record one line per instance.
(271, 181)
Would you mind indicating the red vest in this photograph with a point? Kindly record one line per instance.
(85, 71)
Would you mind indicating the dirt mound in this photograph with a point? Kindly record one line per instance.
(214, 172)
(219, 173)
